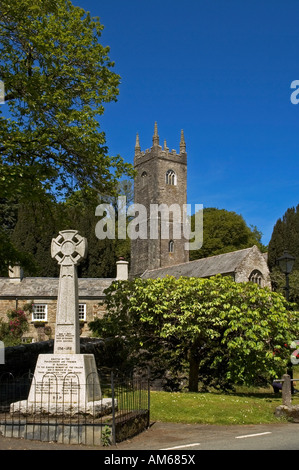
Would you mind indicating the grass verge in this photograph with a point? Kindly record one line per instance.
(242, 407)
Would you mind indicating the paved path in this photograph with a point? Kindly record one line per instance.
(188, 438)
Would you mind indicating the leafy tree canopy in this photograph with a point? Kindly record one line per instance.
(227, 332)
(285, 236)
(225, 231)
(57, 78)
(33, 225)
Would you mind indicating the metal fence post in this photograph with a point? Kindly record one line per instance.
(286, 390)
(148, 397)
(113, 409)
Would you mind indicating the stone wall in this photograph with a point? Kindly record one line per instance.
(43, 331)
(254, 260)
(21, 359)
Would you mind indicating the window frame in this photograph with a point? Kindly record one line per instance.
(84, 312)
(35, 314)
(144, 178)
(171, 178)
(256, 277)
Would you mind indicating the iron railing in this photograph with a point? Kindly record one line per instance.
(122, 411)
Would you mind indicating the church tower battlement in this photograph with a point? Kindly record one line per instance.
(161, 178)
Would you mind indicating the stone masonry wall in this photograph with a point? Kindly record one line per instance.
(150, 188)
(254, 259)
(22, 359)
(43, 331)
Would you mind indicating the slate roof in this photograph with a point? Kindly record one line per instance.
(39, 287)
(42, 287)
(226, 263)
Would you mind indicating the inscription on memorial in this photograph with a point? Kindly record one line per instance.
(64, 340)
(65, 378)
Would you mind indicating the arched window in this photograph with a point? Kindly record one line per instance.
(171, 246)
(144, 178)
(256, 277)
(171, 177)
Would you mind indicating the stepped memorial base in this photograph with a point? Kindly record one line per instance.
(64, 384)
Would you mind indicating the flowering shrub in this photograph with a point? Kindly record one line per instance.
(11, 332)
(18, 322)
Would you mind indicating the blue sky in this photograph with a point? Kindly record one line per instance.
(222, 71)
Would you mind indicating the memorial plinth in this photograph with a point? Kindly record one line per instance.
(66, 382)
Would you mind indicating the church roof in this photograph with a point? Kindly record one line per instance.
(44, 287)
(226, 263)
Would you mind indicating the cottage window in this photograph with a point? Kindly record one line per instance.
(171, 246)
(171, 178)
(82, 312)
(40, 312)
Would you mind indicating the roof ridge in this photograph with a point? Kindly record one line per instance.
(196, 260)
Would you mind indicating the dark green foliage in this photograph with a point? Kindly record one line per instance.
(36, 226)
(285, 236)
(58, 78)
(38, 222)
(223, 232)
(9, 253)
(215, 330)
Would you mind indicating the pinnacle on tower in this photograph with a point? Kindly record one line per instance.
(156, 137)
(137, 145)
(182, 143)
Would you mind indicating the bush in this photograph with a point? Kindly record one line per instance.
(224, 332)
(12, 331)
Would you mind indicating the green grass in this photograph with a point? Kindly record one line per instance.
(243, 407)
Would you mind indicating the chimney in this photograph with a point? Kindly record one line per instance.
(15, 273)
(122, 270)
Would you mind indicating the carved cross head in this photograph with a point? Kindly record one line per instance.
(69, 247)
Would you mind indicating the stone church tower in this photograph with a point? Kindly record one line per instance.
(161, 178)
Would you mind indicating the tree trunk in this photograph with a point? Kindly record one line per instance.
(193, 368)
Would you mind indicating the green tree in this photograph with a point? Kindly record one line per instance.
(58, 78)
(225, 231)
(9, 253)
(226, 332)
(39, 222)
(285, 236)
(124, 188)
(101, 257)
(8, 214)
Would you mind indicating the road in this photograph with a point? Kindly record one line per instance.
(183, 437)
(187, 438)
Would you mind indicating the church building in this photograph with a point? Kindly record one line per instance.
(161, 179)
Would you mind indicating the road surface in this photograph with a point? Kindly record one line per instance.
(172, 437)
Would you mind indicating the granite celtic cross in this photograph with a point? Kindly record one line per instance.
(69, 248)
